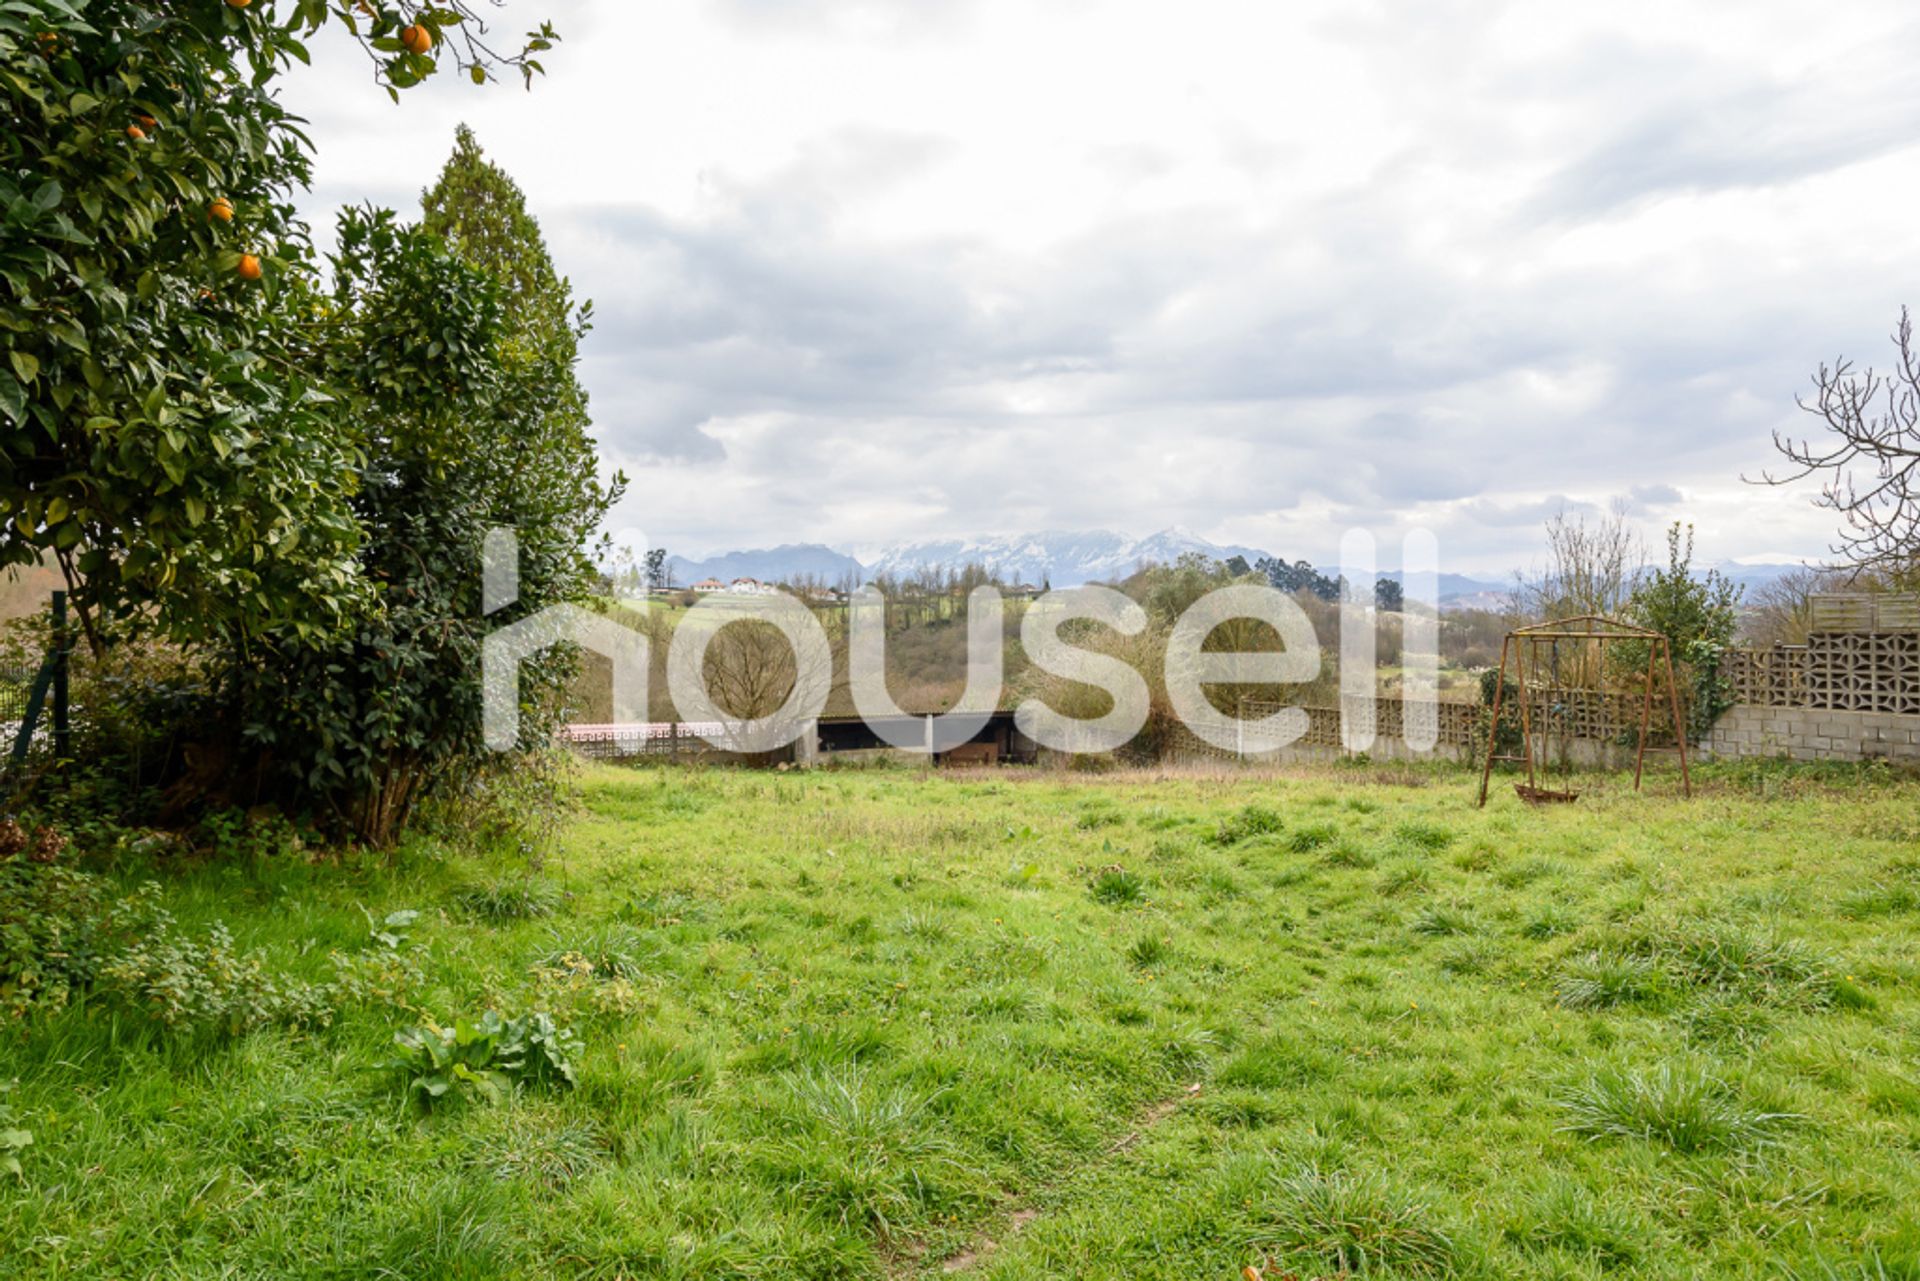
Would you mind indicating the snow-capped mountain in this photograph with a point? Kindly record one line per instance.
(1057, 557)
(1064, 559)
(784, 564)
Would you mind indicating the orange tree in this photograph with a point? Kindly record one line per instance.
(290, 479)
(166, 435)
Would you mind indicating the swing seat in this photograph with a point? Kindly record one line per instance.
(1543, 795)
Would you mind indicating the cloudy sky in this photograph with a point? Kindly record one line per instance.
(868, 271)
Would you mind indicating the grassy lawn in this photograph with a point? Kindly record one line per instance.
(1022, 1025)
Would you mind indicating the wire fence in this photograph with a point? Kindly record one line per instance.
(16, 682)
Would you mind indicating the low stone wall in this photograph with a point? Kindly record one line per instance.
(1815, 734)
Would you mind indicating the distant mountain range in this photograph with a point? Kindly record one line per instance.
(1056, 557)
(1755, 576)
(1066, 559)
(783, 564)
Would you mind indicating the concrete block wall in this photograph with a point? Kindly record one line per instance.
(1814, 734)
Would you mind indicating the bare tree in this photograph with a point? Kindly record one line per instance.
(1868, 460)
(1591, 567)
(750, 671)
(1781, 612)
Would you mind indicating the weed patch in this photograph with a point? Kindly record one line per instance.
(1677, 1105)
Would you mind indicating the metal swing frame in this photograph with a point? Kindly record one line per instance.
(1523, 644)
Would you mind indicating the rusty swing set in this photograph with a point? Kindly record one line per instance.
(1525, 644)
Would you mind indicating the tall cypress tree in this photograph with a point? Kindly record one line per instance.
(481, 214)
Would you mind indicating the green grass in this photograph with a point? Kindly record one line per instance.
(857, 1023)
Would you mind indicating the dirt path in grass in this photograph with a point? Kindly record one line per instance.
(984, 1244)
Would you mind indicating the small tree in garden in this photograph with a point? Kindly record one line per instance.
(1592, 566)
(367, 722)
(162, 439)
(166, 442)
(1698, 616)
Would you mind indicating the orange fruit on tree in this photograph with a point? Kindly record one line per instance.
(136, 133)
(249, 267)
(239, 4)
(222, 209)
(145, 122)
(417, 38)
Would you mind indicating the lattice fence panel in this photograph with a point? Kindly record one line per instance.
(1455, 723)
(1864, 672)
(1775, 677)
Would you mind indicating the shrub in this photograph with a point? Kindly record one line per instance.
(230, 835)
(1679, 1106)
(485, 1058)
(63, 937)
(1354, 1224)
(50, 923)
(207, 984)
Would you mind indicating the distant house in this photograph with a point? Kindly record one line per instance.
(750, 587)
(709, 585)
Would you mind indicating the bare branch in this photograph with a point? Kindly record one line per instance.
(1868, 458)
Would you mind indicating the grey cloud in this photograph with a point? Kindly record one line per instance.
(1656, 495)
(1708, 128)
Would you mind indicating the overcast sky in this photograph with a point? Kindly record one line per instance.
(871, 271)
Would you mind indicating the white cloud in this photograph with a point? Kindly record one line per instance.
(875, 270)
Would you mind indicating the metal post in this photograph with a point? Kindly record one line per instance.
(62, 742)
(1526, 718)
(1679, 726)
(1493, 730)
(1646, 715)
